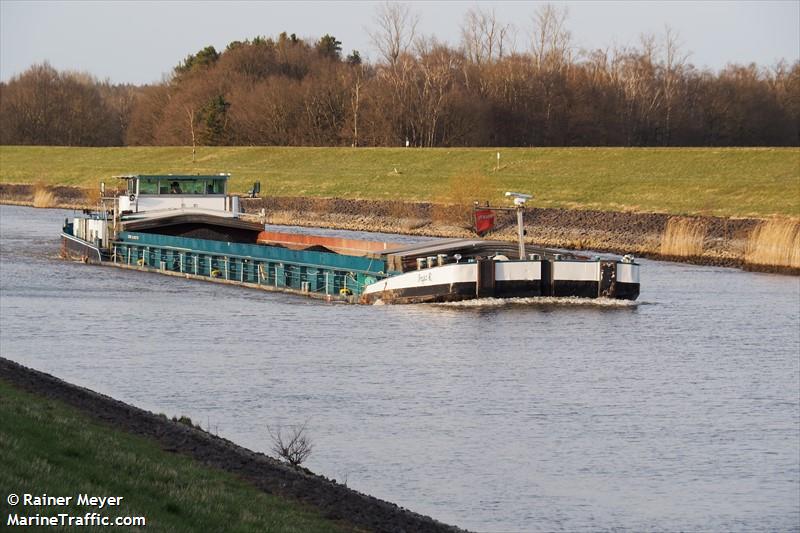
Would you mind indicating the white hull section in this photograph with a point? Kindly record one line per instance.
(443, 275)
(508, 279)
(518, 270)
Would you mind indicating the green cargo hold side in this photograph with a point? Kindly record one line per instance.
(257, 251)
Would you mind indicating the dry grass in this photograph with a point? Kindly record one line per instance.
(43, 196)
(92, 197)
(775, 242)
(455, 206)
(683, 237)
(452, 214)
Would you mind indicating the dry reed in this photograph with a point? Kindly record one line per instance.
(400, 210)
(92, 197)
(775, 242)
(43, 196)
(683, 237)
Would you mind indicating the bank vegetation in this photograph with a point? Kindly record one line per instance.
(502, 85)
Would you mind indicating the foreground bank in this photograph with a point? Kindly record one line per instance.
(61, 439)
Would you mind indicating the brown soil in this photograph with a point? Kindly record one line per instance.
(335, 501)
(639, 234)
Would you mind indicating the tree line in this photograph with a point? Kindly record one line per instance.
(488, 91)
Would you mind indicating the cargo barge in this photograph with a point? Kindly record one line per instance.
(190, 226)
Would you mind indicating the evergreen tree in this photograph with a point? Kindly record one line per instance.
(354, 58)
(328, 46)
(214, 118)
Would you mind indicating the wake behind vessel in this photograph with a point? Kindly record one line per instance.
(190, 226)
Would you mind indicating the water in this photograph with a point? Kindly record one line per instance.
(681, 412)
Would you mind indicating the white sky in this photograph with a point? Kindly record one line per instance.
(139, 42)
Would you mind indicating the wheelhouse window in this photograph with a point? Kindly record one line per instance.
(194, 187)
(148, 186)
(215, 187)
(165, 185)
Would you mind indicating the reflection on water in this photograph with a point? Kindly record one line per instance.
(678, 412)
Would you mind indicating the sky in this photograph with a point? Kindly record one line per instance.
(140, 42)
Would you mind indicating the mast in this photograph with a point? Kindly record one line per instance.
(519, 206)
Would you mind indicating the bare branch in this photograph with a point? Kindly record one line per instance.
(395, 32)
(293, 445)
(550, 41)
(482, 36)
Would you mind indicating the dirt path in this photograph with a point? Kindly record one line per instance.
(335, 501)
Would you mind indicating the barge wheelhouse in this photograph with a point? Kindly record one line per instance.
(190, 226)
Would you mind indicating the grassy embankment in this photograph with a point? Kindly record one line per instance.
(738, 182)
(48, 447)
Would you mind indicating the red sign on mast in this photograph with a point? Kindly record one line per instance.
(484, 221)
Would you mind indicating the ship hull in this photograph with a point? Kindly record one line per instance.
(76, 249)
(511, 279)
(320, 267)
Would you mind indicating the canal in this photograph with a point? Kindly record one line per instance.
(678, 412)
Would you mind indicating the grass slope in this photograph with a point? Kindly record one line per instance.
(48, 447)
(708, 181)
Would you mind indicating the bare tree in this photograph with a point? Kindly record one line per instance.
(283, 91)
(483, 37)
(433, 81)
(552, 59)
(121, 100)
(674, 62)
(294, 446)
(550, 42)
(357, 80)
(395, 32)
(48, 107)
(643, 96)
(191, 115)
